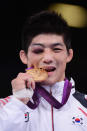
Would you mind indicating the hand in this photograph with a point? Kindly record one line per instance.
(22, 87)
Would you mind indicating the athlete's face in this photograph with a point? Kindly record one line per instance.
(49, 52)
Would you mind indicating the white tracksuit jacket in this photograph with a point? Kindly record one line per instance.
(16, 116)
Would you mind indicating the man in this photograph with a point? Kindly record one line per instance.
(51, 104)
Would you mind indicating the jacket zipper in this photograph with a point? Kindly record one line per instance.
(52, 118)
(52, 115)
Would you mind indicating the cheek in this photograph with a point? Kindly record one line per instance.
(32, 59)
(61, 62)
(61, 58)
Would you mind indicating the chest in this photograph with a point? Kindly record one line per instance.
(69, 118)
(72, 119)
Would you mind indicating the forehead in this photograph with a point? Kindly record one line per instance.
(47, 39)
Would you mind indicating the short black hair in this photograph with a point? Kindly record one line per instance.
(43, 23)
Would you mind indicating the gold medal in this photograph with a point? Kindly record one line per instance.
(38, 74)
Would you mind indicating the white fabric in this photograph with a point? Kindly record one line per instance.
(12, 115)
(23, 93)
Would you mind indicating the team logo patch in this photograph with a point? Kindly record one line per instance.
(26, 116)
(77, 120)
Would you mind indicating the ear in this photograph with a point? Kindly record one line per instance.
(23, 57)
(70, 55)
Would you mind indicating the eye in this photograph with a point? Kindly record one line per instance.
(38, 51)
(57, 49)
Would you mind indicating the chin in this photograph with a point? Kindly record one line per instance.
(49, 82)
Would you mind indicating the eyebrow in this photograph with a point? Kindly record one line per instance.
(37, 44)
(57, 44)
(52, 45)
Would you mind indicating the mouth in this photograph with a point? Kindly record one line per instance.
(46, 68)
(50, 69)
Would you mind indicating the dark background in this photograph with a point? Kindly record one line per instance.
(12, 16)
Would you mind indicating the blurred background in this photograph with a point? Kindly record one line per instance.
(12, 16)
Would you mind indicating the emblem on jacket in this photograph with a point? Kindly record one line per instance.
(77, 120)
(26, 116)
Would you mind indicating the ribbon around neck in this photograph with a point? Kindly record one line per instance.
(48, 97)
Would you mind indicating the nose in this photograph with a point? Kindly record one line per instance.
(48, 57)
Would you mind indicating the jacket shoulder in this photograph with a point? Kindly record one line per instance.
(4, 101)
(82, 98)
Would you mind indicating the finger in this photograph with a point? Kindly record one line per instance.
(30, 84)
(33, 85)
(23, 80)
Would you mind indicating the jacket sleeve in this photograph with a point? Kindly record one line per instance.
(12, 114)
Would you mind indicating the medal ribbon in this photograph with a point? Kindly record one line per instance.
(48, 97)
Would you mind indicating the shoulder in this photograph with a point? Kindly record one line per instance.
(82, 98)
(4, 101)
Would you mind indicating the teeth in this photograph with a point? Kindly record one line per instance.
(50, 69)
